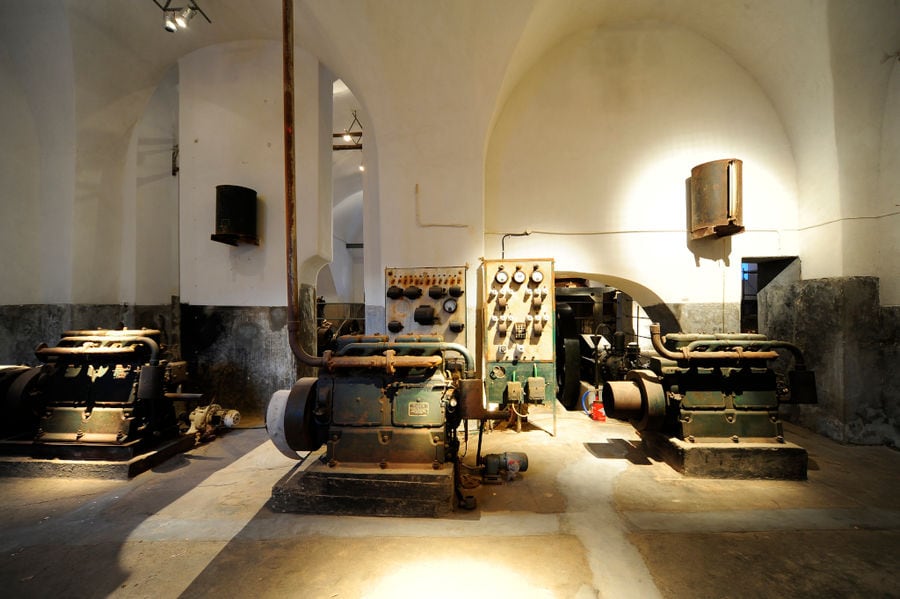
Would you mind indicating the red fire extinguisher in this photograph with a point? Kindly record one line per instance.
(597, 411)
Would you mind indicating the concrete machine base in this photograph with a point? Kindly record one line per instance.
(49, 460)
(312, 487)
(744, 460)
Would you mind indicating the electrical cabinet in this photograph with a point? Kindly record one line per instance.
(518, 324)
(426, 301)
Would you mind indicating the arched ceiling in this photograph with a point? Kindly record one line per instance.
(395, 52)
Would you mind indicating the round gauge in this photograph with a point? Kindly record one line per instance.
(450, 305)
(519, 276)
(501, 277)
(537, 276)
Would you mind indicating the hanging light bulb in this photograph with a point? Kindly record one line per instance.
(362, 168)
(347, 137)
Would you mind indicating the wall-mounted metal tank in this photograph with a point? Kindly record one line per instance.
(235, 215)
(716, 199)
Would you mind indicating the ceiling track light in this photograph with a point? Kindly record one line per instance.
(183, 18)
(179, 16)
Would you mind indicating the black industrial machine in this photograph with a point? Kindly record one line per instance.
(718, 393)
(99, 394)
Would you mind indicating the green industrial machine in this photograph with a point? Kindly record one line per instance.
(386, 413)
(709, 403)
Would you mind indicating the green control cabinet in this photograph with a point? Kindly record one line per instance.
(518, 324)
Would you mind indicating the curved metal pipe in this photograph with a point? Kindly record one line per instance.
(761, 344)
(154, 347)
(685, 354)
(290, 195)
(112, 332)
(435, 346)
(389, 361)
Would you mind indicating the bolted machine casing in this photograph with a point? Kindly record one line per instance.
(716, 392)
(100, 394)
(386, 413)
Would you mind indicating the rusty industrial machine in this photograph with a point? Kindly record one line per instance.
(386, 413)
(387, 407)
(709, 404)
(98, 395)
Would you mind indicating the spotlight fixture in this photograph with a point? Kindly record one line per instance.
(179, 16)
(182, 18)
(169, 21)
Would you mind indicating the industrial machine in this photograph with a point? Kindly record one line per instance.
(99, 394)
(387, 414)
(387, 408)
(710, 404)
(518, 340)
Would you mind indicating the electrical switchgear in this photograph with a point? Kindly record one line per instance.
(426, 301)
(518, 317)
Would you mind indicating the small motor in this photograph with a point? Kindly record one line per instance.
(512, 462)
(206, 420)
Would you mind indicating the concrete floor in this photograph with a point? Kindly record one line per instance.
(592, 517)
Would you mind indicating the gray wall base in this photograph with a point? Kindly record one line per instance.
(853, 345)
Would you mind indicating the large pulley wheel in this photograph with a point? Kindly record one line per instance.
(653, 400)
(289, 419)
(23, 394)
(640, 399)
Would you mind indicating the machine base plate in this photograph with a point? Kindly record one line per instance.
(14, 463)
(365, 490)
(744, 460)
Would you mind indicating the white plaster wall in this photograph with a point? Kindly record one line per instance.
(884, 230)
(231, 132)
(149, 257)
(592, 150)
(344, 274)
(20, 193)
(866, 105)
(40, 72)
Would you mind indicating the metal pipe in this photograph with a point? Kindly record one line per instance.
(390, 361)
(433, 346)
(154, 347)
(112, 332)
(290, 195)
(685, 354)
(761, 344)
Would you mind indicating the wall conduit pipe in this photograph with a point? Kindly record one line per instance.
(387, 361)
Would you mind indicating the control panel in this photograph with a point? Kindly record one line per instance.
(518, 316)
(426, 301)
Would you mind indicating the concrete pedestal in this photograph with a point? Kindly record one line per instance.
(18, 463)
(779, 461)
(362, 490)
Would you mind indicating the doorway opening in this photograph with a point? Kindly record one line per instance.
(756, 273)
